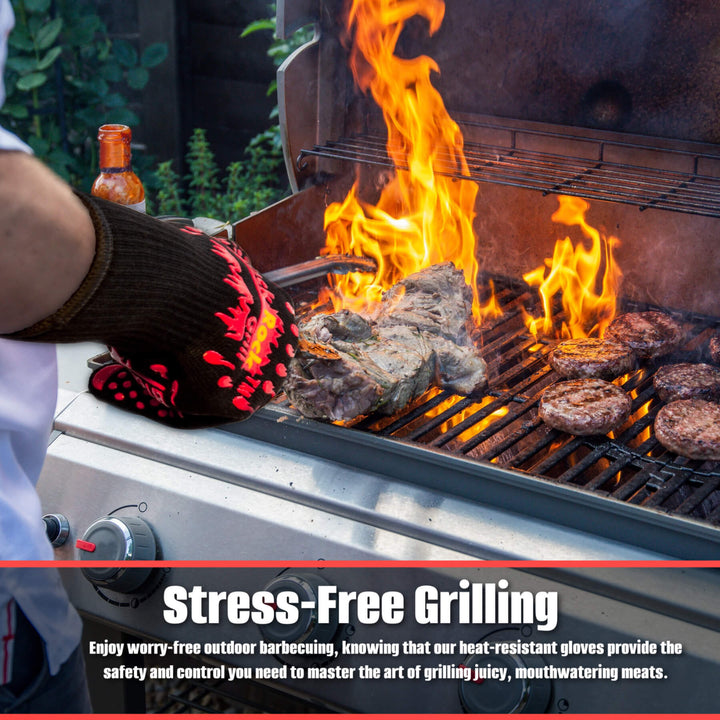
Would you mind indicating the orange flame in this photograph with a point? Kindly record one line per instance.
(576, 273)
(422, 217)
(479, 426)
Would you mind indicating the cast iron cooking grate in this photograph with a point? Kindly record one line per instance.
(502, 426)
(683, 181)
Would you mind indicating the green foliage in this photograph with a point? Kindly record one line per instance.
(65, 77)
(202, 178)
(247, 186)
(168, 197)
(279, 51)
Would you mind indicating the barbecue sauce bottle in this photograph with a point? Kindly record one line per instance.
(117, 181)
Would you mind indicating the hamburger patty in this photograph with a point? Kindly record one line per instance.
(591, 357)
(587, 406)
(687, 380)
(690, 428)
(648, 333)
(714, 347)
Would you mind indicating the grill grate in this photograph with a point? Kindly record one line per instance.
(687, 186)
(503, 428)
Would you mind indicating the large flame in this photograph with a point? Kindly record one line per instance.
(421, 218)
(588, 279)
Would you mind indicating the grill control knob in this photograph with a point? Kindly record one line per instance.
(57, 528)
(306, 629)
(113, 538)
(518, 695)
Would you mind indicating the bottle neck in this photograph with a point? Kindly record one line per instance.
(114, 156)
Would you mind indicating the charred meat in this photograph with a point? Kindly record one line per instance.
(690, 428)
(587, 406)
(591, 357)
(649, 334)
(419, 335)
(341, 380)
(687, 380)
(714, 348)
(436, 300)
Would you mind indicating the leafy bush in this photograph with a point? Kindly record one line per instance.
(65, 77)
(279, 51)
(249, 184)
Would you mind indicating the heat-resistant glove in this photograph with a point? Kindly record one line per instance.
(197, 335)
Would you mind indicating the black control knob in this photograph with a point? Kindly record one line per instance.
(307, 629)
(113, 538)
(57, 528)
(520, 692)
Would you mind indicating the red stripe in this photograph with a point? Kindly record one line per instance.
(7, 638)
(478, 564)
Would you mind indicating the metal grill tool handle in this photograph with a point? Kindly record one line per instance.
(319, 267)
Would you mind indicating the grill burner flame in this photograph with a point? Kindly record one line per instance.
(422, 218)
(588, 280)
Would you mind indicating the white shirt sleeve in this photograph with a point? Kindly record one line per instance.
(28, 391)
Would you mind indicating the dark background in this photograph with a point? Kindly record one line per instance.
(212, 79)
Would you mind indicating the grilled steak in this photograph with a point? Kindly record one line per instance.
(436, 300)
(687, 380)
(690, 428)
(458, 368)
(587, 406)
(591, 357)
(337, 328)
(349, 365)
(341, 380)
(714, 347)
(648, 333)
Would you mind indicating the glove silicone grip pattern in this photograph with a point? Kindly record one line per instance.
(241, 373)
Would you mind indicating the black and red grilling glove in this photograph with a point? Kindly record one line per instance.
(197, 335)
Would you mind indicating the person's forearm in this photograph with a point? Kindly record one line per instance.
(47, 241)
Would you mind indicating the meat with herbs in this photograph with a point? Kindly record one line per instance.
(349, 365)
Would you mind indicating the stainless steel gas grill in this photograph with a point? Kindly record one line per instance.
(551, 101)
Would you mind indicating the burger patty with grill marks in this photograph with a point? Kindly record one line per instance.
(648, 333)
(714, 347)
(687, 380)
(690, 428)
(591, 357)
(587, 406)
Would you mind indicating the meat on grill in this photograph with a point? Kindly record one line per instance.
(342, 379)
(458, 368)
(714, 347)
(349, 365)
(591, 357)
(649, 334)
(687, 380)
(690, 428)
(587, 406)
(436, 300)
